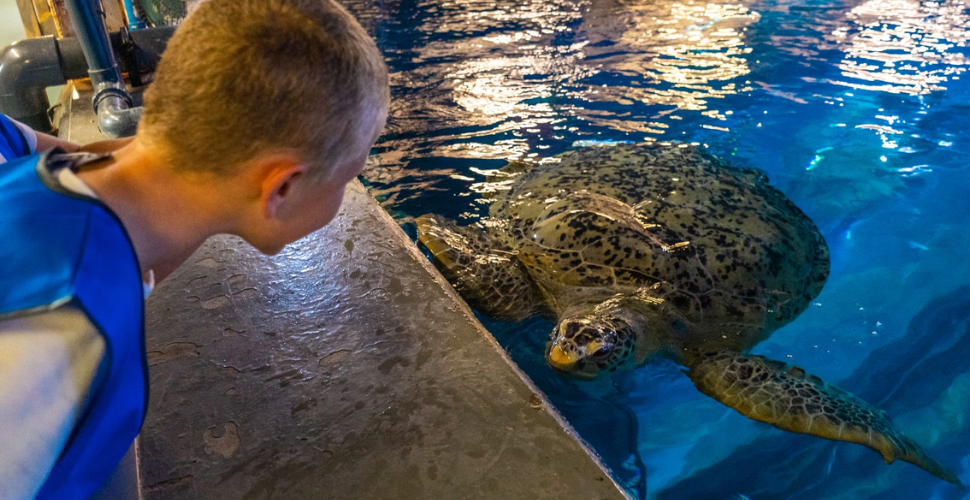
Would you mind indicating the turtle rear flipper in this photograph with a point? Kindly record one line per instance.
(485, 272)
(786, 397)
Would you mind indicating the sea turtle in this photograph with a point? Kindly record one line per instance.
(662, 250)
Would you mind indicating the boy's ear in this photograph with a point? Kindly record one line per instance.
(277, 173)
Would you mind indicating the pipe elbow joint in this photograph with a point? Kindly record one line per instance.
(120, 123)
(13, 62)
(116, 116)
(27, 68)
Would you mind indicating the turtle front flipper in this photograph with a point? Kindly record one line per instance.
(788, 398)
(485, 272)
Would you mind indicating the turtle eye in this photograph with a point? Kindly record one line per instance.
(599, 340)
(596, 347)
(572, 329)
(602, 347)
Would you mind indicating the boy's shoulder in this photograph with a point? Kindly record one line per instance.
(16, 139)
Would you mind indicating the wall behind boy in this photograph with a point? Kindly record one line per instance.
(11, 28)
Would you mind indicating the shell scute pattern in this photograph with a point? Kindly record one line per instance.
(634, 215)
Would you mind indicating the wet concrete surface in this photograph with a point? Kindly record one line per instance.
(342, 368)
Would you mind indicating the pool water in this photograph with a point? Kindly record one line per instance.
(859, 111)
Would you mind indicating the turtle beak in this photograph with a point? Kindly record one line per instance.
(561, 359)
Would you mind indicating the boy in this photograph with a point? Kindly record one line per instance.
(261, 112)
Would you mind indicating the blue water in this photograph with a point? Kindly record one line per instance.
(858, 110)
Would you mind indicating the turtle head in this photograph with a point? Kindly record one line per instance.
(593, 344)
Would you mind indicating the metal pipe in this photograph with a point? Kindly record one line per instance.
(116, 115)
(112, 103)
(28, 67)
(22, 87)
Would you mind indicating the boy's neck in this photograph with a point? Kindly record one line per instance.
(166, 215)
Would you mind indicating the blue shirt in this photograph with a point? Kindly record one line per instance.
(16, 139)
(58, 247)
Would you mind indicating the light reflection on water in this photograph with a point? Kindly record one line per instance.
(506, 80)
(856, 110)
(676, 54)
(903, 46)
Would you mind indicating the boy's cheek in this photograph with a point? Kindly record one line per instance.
(333, 206)
(264, 247)
(314, 209)
(272, 250)
(321, 210)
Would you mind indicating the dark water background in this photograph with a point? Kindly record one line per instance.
(858, 110)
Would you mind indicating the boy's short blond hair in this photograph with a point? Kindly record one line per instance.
(244, 77)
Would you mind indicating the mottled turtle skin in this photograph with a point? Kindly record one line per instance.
(647, 250)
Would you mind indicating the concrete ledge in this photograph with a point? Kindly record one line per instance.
(344, 367)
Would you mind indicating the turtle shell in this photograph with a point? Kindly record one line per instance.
(718, 242)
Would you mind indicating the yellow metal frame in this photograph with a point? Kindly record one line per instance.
(50, 17)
